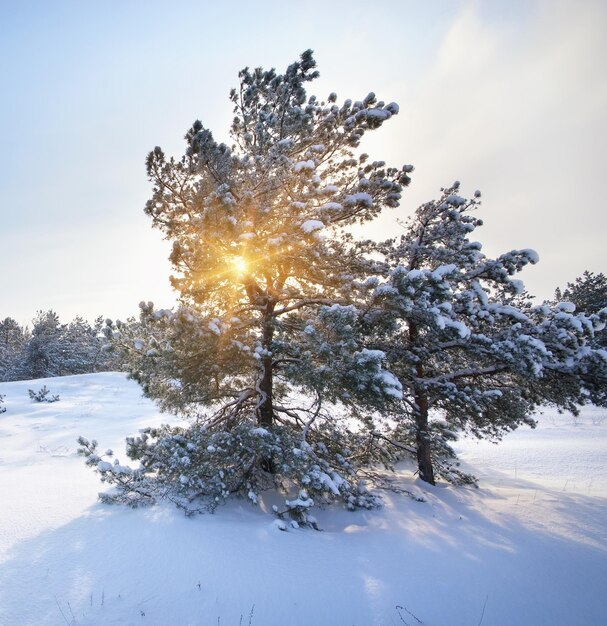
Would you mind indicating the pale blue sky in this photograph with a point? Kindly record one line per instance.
(509, 97)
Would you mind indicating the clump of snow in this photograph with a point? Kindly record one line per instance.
(455, 200)
(381, 114)
(214, 327)
(329, 190)
(302, 502)
(391, 385)
(308, 165)
(532, 255)
(361, 198)
(385, 289)
(331, 206)
(444, 270)
(311, 225)
(462, 330)
(518, 285)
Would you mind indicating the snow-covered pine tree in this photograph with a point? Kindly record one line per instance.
(470, 350)
(83, 346)
(43, 353)
(267, 276)
(589, 294)
(12, 340)
(56, 349)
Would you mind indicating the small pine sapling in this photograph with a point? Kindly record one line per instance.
(42, 395)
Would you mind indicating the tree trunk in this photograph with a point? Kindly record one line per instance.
(422, 439)
(265, 408)
(422, 435)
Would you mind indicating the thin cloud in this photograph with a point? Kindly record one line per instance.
(517, 109)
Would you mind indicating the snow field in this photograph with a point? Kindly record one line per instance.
(526, 548)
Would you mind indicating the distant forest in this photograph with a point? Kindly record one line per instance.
(50, 348)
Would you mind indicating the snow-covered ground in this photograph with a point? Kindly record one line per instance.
(527, 548)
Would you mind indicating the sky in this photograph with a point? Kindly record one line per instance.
(509, 97)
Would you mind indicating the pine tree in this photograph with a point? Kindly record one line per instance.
(466, 343)
(43, 353)
(83, 347)
(12, 340)
(589, 294)
(268, 278)
(257, 228)
(43, 395)
(56, 349)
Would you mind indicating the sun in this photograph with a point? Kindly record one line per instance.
(239, 264)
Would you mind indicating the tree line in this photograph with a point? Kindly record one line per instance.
(50, 348)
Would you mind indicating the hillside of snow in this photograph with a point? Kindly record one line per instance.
(529, 547)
